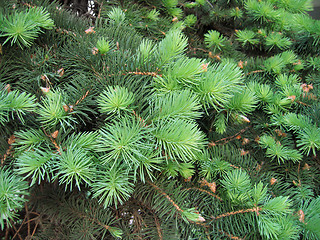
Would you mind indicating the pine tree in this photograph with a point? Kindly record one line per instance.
(159, 120)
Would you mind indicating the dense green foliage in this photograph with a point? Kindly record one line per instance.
(160, 120)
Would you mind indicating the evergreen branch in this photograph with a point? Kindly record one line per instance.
(200, 49)
(6, 237)
(256, 71)
(53, 141)
(112, 230)
(156, 221)
(153, 74)
(28, 5)
(65, 31)
(144, 124)
(205, 191)
(27, 214)
(166, 195)
(31, 220)
(228, 139)
(234, 166)
(205, 51)
(211, 186)
(16, 231)
(8, 152)
(255, 209)
(99, 13)
(82, 98)
(23, 222)
(34, 230)
(97, 74)
(231, 236)
(302, 103)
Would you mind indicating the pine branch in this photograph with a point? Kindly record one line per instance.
(11, 140)
(255, 209)
(50, 136)
(231, 236)
(205, 191)
(228, 139)
(166, 196)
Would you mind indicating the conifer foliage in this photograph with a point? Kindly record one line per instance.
(160, 120)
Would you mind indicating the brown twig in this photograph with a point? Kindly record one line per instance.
(34, 230)
(302, 103)
(234, 166)
(53, 141)
(140, 119)
(17, 231)
(156, 220)
(82, 98)
(255, 209)
(8, 152)
(153, 74)
(31, 220)
(166, 195)
(205, 191)
(6, 237)
(230, 235)
(65, 31)
(100, 8)
(97, 74)
(201, 49)
(256, 71)
(228, 139)
(27, 214)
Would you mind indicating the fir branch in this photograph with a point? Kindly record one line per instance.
(159, 230)
(82, 98)
(153, 74)
(228, 139)
(231, 236)
(256, 71)
(166, 196)
(143, 122)
(23, 222)
(52, 140)
(205, 191)
(11, 140)
(16, 231)
(65, 31)
(255, 209)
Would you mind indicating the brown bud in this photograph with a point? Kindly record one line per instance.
(212, 186)
(201, 219)
(240, 64)
(273, 181)
(66, 108)
(60, 72)
(293, 97)
(90, 30)
(301, 216)
(243, 152)
(45, 90)
(188, 179)
(306, 166)
(95, 51)
(205, 67)
(8, 88)
(11, 139)
(245, 141)
(55, 134)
